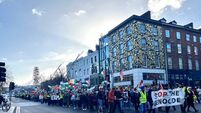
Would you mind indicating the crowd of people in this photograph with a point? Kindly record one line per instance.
(113, 100)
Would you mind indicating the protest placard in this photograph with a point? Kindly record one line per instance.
(170, 97)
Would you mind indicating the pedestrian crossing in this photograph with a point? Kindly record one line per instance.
(10, 110)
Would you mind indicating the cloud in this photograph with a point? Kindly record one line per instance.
(158, 6)
(2, 1)
(4, 59)
(80, 12)
(54, 56)
(47, 72)
(20, 61)
(189, 8)
(37, 12)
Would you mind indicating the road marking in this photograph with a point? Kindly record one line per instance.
(24, 104)
(17, 110)
(9, 111)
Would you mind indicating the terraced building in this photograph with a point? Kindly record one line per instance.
(139, 48)
(136, 47)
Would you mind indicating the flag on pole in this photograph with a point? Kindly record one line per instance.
(161, 86)
(103, 72)
(72, 81)
(88, 82)
(141, 83)
(121, 75)
(79, 83)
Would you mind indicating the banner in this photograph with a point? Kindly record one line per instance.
(170, 97)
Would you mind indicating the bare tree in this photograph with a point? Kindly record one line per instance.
(36, 76)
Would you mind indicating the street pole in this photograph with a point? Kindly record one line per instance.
(10, 95)
(166, 63)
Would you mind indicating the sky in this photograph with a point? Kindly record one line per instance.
(47, 33)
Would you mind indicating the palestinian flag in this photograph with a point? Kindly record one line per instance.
(72, 81)
(88, 82)
(122, 75)
(141, 83)
(103, 72)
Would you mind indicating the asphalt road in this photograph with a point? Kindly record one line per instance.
(25, 106)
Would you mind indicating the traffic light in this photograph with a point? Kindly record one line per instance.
(2, 72)
(12, 86)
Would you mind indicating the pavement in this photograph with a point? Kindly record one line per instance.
(24, 106)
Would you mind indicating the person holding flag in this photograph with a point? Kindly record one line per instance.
(149, 99)
(143, 97)
(118, 99)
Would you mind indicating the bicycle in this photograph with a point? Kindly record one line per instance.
(5, 105)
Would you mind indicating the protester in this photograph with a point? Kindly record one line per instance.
(143, 99)
(41, 98)
(100, 97)
(150, 101)
(118, 99)
(111, 99)
(190, 99)
(73, 99)
(103, 99)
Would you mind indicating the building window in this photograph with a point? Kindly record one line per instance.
(142, 28)
(190, 64)
(189, 49)
(168, 46)
(144, 61)
(114, 38)
(143, 42)
(95, 59)
(197, 67)
(180, 63)
(196, 50)
(114, 52)
(157, 61)
(179, 48)
(114, 66)
(178, 34)
(167, 33)
(84, 72)
(129, 30)
(87, 71)
(169, 63)
(194, 39)
(129, 45)
(130, 60)
(156, 45)
(75, 73)
(122, 63)
(91, 60)
(154, 30)
(121, 48)
(121, 34)
(200, 39)
(187, 37)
